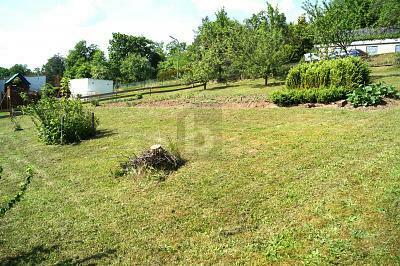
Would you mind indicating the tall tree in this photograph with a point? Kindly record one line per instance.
(80, 60)
(136, 68)
(4, 73)
(218, 49)
(176, 61)
(54, 69)
(299, 39)
(99, 66)
(123, 45)
(389, 14)
(267, 43)
(19, 68)
(331, 24)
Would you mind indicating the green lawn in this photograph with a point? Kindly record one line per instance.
(382, 59)
(277, 185)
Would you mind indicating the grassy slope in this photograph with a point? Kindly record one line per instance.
(382, 59)
(262, 185)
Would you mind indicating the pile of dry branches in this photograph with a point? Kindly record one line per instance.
(157, 158)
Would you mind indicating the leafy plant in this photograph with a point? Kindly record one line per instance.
(48, 91)
(372, 95)
(62, 121)
(95, 102)
(65, 87)
(288, 97)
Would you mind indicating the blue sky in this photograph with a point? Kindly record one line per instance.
(33, 31)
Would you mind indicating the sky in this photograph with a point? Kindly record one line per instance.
(31, 31)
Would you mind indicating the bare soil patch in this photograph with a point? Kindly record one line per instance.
(388, 103)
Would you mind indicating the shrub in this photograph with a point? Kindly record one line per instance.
(288, 97)
(372, 95)
(348, 72)
(62, 121)
(95, 102)
(48, 91)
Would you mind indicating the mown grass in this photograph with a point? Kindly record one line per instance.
(246, 90)
(382, 59)
(261, 186)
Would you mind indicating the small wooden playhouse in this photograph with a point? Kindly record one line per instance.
(10, 95)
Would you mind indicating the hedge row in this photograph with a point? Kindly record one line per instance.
(348, 72)
(289, 97)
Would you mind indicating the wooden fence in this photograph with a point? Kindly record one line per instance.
(144, 91)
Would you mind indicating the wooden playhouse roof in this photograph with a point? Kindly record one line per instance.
(19, 75)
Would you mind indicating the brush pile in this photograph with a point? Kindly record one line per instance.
(157, 158)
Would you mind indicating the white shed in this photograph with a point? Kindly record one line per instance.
(88, 87)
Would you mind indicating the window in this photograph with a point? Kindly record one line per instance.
(371, 50)
(397, 49)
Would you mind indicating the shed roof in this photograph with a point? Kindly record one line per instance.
(19, 75)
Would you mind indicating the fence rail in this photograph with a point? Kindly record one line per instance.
(147, 91)
(127, 91)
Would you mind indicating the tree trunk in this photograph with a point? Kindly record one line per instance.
(266, 80)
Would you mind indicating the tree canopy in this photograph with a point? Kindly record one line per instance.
(54, 69)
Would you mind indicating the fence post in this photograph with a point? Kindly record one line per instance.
(62, 133)
(205, 85)
(93, 126)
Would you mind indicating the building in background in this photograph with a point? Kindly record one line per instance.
(88, 87)
(37, 82)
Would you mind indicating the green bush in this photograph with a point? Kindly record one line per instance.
(62, 121)
(95, 102)
(372, 95)
(348, 72)
(288, 97)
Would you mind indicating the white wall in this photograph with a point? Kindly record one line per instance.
(37, 83)
(384, 46)
(97, 86)
(86, 87)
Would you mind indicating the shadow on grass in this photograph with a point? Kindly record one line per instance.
(272, 84)
(378, 76)
(39, 254)
(36, 256)
(89, 260)
(104, 133)
(222, 87)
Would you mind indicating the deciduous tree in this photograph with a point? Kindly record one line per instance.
(54, 69)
